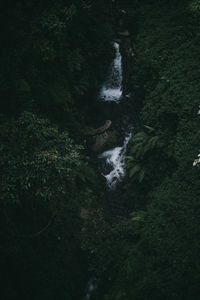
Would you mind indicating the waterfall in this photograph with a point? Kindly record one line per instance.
(112, 91)
(90, 288)
(112, 88)
(115, 158)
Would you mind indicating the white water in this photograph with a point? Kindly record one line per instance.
(112, 91)
(112, 88)
(116, 159)
(90, 288)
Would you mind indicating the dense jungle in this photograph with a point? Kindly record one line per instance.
(100, 150)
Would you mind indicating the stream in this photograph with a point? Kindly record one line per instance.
(112, 91)
(113, 160)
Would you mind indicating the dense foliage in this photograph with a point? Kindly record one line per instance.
(40, 209)
(50, 54)
(56, 227)
(155, 253)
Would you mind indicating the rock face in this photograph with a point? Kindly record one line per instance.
(101, 137)
(101, 140)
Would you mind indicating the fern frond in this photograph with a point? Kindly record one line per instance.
(141, 175)
(152, 142)
(134, 170)
(129, 158)
(151, 129)
(135, 148)
(140, 136)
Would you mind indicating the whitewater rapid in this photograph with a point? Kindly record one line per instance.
(115, 158)
(112, 91)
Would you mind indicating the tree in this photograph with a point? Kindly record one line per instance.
(40, 210)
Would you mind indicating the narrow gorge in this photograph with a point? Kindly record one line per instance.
(112, 91)
(99, 150)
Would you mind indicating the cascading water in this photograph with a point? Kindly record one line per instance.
(90, 288)
(113, 158)
(116, 159)
(112, 88)
(112, 91)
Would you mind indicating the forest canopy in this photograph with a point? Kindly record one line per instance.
(61, 225)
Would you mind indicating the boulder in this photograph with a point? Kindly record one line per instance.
(103, 138)
(101, 129)
(100, 141)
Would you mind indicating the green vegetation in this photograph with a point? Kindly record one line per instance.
(141, 145)
(50, 54)
(154, 254)
(57, 229)
(40, 209)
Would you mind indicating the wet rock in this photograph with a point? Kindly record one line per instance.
(102, 129)
(106, 139)
(117, 41)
